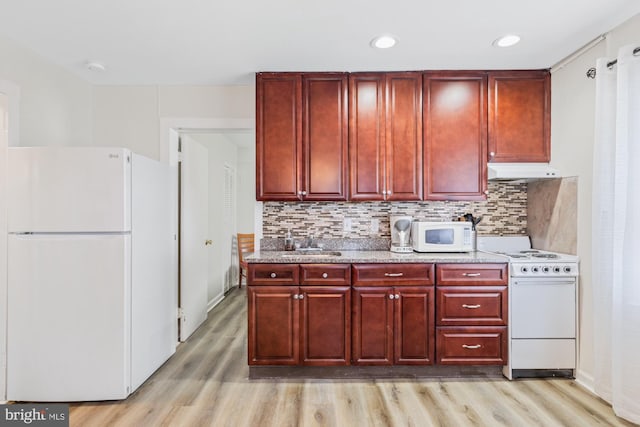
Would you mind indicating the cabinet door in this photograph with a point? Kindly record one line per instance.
(274, 337)
(455, 132)
(414, 325)
(372, 326)
(278, 136)
(326, 325)
(324, 137)
(403, 124)
(366, 136)
(519, 116)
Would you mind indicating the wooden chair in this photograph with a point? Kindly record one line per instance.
(245, 246)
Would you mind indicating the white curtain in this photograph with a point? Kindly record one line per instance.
(616, 234)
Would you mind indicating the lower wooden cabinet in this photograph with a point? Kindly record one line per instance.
(393, 325)
(377, 314)
(299, 314)
(480, 345)
(299, 325)
(472, 314)
(393, 314)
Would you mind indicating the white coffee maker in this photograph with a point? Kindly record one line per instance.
(401, 233)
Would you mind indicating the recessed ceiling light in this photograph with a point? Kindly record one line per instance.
(384, 42)
(506, 41)
(95, 66)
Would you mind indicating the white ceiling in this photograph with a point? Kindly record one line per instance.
(210, 42)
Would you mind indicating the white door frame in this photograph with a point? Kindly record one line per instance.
(12, 92)
(170, 129)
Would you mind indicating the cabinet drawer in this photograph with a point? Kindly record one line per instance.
(471, 345)
(325, 274)
(472, 306)
(273, 274)
(392, 274)
(472, 274)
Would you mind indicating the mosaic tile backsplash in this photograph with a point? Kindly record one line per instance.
(504, 212)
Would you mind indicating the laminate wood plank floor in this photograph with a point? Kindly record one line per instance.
(206, 383)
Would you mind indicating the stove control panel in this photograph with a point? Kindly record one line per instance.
(543, 269)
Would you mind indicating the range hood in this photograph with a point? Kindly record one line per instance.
(523, 172)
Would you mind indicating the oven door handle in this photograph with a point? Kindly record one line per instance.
(542, 281)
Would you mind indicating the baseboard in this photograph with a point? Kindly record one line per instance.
(586, 381)
(214, 302)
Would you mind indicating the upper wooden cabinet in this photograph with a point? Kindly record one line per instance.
(455, 135)
(397, 136)
(519, 116)
(301, 136)
(385, 136)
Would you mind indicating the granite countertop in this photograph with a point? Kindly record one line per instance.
(354, 257)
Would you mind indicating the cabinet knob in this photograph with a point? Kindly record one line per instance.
(325, 275)
(296, 296)
(492, 154)
(301, 296)
(304, 193)
(391, 296)
(274, 275)
(486, 191)
(397, 296)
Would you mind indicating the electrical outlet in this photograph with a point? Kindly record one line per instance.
(346, 224)
(375, 225)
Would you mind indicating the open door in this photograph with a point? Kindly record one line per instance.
(194, 240)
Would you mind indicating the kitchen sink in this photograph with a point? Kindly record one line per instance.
(314, 254)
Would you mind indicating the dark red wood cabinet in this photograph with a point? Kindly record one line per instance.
(393, 314)
(301, 136)
(455, 135)
(519, 116)
(306, 323)
(385, 136)
(471, 314)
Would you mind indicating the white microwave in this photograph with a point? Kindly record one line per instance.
(441, 236)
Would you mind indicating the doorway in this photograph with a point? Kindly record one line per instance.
(232, 205)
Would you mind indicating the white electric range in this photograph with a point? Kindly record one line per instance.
(542, 307)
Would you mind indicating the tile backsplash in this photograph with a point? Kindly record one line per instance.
(504, 212)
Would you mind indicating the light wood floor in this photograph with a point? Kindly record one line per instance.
(206, 384)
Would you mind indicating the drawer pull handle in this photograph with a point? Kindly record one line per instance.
(472, 347)
(274, 275)
(393, 274)
(325, 275)
(471, 306)
(471, 274)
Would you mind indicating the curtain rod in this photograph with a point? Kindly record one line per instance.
(591, 72)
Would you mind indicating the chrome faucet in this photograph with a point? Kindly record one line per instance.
(309, 242)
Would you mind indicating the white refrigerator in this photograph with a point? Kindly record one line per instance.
(92, 286)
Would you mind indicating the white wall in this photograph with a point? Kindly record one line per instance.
(4, 143)
(132, 116)
(246, 186)
(55, 106)
(572, 138)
